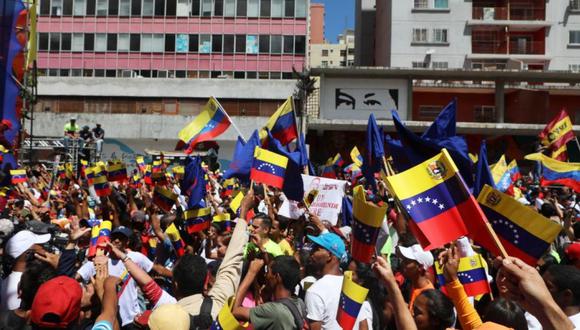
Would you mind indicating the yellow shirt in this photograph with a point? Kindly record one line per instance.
(286, 248)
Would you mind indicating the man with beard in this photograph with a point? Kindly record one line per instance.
(322, 297)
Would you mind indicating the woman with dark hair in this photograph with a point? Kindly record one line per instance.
(507, 313)
(433, 310)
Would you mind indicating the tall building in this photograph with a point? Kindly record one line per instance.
(240, 39)
(316, 23)
(478, 34)
(340, 54)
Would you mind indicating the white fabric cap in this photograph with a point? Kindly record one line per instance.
(416, 253)
(22, 241)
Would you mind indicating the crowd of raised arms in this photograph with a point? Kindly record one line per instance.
(134, 257)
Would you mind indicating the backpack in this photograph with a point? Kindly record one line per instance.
(300, 322)
(203, 320)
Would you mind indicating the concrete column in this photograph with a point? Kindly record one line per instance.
(409, 99)
(500, 100)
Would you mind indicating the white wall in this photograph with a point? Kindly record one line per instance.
(557, 47)
(454, 20)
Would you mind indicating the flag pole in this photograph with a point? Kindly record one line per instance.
(230, 119)
(577, 143)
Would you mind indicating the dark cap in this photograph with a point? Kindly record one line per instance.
(122, 231)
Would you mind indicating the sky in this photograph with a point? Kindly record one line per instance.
(339, 14)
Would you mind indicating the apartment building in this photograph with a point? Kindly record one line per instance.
(238, 39)
(478, 34)
(340, 54)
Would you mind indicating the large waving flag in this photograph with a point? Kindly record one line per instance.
(282, 124)
(417, 149)
(193, 182)
(471, 273)
(482, 174)
(356, 157)
(304, 160)
(434, 195)
(197, 219)
(293, 186)
(367, 221)
(269, 168)
(209, 124)
(556, 172)
(352, 296)
(524, 233)
(375, 151)
(164, 198)
(556, 134)
(444, 126)
(346, 212)
(175, 239)
(242, 159)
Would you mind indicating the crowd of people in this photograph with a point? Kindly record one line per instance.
(254, 267)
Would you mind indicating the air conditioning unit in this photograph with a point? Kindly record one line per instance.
(128, 74)
(162, 74)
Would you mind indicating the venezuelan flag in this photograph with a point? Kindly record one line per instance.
(557, 132)
(159, 177)
(223, 220)
(356, 157)
(61, 172)
(337, 160)
(367, 224)
(84, 165)
(93, 241)
(178, 170)
(117, 172)
(268, 168)
(471, 273)
(229, 186)
(328, 172)
(164, 198)
(90, 174)
(104, 233)
(147, 175)
(18, 176)
(556, 172)
(524, 233)
(136, 180)
(210, 123)
(352, 296)
(175, 239)
(435, 196)
(152, 250)
(69, 170)
(282, 124)
(101, 185)
(226, 320)
(157, 166)
(140, 163)
(236, 202)
(197, 219)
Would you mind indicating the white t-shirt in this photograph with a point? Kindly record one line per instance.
(9, 292)
(365, 313)
(534, 324)
(128, 301)
(322, 300)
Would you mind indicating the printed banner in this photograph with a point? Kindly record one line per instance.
(325, 196)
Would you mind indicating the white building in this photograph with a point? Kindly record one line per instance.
(477, 34)
(340, 54)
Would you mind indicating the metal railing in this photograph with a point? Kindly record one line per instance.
(514, 14)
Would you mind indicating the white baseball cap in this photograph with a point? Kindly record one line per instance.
(22, 241)
(416, 252)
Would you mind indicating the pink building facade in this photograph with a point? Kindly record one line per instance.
(240, 39)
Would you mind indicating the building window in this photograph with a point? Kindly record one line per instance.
(79, 7)
(441, 4)
(325, 52)
(324, 64)
(264, 8)
(419, 35)
(182, 9)
(240, 43)
(229, 43)
(45, 7)
(253, 8)
(112, 42)
(78, 42)
(206, 8)
(429, 112)
(195, 8)
(241, 8)
(89, 42)
(575, 4)
(55, 42)
(252, 44)
(159, 7)
(288, 44)
(148, 7)
(420, 65)
(171, 8)
(101, 7)
(230, 8)
(575, 37)
(277, 8)
(65, 42)
(135, 42)
(146, 41)
(101, 42)
(135, 8)
(205, 43)
(421, 4)
(218, 8)
(342, 52)
(574, 68)
(484, 114)
(275, 44)
(440, 35)
(265, 44)
(43, 41)
(113, 7)
(56, 7)
(125, 8)
(299, 45)
(170, 43)
(181, 43)
(301, 8)
(289, 8)
(239, 75)
(193, 43)
(123, 42)
(216, 43)
(440, 65)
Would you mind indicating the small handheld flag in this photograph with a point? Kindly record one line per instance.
(236, 202)
(471, 273)
(175, 239)
(164, 198)
(197, 219)
(117, 172)
(101, 185)
(18, 176)
(352, 296)
(225, 319)
(356, 157)
(268, 168)
(367, 220)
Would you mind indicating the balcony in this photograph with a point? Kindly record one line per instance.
(526, 17)
(526, 47)
(500, 48)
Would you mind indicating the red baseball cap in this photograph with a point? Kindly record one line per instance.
(57, 303)
(7, 123)
(573, 251)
